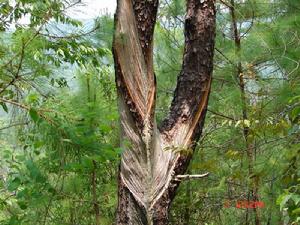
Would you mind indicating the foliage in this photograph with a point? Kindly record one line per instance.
(269, 59)
(59, 144)
(60, 162)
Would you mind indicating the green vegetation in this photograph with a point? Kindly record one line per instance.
(59, 129)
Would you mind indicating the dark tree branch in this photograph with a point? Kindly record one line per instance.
(193, 85)
(221, 115)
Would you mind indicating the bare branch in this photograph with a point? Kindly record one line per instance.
(189, 104)
(221, 115)
(190, 176)
(13, 125)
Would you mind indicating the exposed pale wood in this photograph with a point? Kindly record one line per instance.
(147, 171)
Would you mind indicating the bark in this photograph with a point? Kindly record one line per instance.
(147, 170)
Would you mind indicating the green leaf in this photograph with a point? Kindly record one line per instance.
(87, 163)
(14, 184)
(32, 98)
(296, 211)
(22, 205)
(283, 199)
(33, 114)
(296, 198)
(73, 167)
(105, 128)
(61, 53)
(295, 113)
(4, 107)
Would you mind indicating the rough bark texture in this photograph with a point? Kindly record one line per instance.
(146, 184)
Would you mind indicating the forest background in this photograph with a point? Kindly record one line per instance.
(59, 130)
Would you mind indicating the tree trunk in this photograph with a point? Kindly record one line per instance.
(151, 159)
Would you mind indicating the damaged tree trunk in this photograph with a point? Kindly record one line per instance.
(149, 163)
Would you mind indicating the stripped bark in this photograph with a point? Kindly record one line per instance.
(147, 174)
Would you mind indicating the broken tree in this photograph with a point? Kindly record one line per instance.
(148, 169)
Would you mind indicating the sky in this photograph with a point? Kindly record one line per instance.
(88, 10)
(93, 8)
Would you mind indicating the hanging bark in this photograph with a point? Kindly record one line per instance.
(147, 170)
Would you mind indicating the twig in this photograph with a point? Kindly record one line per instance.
(14, 103)
(14, 125)
(222, 54)
(226, 4)
(190, 176)
(221, 115)
(27, 108)
(17, 75)
(71, 36)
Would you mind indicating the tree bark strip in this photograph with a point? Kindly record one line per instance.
(147, 171)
